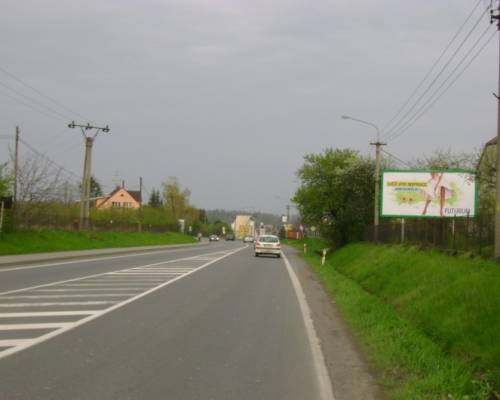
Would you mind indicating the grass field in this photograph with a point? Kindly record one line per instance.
(430, 322)
(24, 242)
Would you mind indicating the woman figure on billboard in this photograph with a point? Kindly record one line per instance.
(436, 186)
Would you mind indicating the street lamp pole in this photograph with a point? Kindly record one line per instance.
(377, 143)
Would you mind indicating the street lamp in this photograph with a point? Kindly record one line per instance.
(377, 145)
(363, 122)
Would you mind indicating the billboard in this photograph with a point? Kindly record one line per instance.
(428, 193)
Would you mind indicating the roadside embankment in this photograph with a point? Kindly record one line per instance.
(429, 322)
(41, 241)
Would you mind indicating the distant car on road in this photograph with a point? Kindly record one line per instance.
(213, 238)
(248, 239)
(267, 244)
(229, 236)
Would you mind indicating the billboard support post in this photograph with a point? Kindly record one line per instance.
(402, 230)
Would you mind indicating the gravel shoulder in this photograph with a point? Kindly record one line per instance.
(349, 372)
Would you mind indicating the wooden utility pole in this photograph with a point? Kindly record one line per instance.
(497, 203)
(87, 170)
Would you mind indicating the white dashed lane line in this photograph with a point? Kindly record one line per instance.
(85, 299)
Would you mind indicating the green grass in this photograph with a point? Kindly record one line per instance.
(429, 322)
(24, 242)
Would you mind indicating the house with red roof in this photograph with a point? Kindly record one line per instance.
(120, 198)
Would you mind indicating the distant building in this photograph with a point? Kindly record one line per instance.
(120, 198)
(243, 225)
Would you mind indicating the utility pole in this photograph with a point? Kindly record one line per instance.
(16, 163)
(497, 203)
(16, 174)
(140, 204)
(288, 213)
(377, 145)
(376, 210)
(85, 192)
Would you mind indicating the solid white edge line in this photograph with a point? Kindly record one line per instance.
(43, 338)
(324, 382)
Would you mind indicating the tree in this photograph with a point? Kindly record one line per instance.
(175, 200)
(38, 179)
(155, 199)
(95, 187)
(337, 193)
(446, 159)
(5, 181)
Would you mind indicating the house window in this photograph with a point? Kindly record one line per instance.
(115, 204)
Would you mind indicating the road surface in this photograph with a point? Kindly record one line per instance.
(195, 323)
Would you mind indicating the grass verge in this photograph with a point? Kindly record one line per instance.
(40, 241)
(428, 321)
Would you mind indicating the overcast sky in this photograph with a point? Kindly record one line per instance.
(228, 95)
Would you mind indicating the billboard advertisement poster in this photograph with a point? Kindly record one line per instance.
(428, 193)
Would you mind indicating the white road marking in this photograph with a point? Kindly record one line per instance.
(87, 276)
(58, 296)
(24, 327)
(324, 382)
(15, 345)
(84, 290)
(105, 285)
(46, 314)
(94, 259)
(15, 342)
(63, 303)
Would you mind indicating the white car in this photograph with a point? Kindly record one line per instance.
(267, 244)
(248, 239)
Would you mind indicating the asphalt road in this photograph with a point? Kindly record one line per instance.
(199, 323)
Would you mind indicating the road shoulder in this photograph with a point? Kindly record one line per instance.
(349, 372)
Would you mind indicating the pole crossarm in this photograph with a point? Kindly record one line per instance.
(89, 127)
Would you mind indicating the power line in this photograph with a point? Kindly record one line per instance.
(441, 71)
(396, 158)
(11, 75)
(34, 108)
(33, 100)
(49, 160)
(398, 113)
(429, 106)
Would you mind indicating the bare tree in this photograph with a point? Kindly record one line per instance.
(38, 180)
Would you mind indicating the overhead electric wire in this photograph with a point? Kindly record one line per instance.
(396, 158)
(432, 68)
(401, 120)
(40, 104)
(34, 108)
(429, 106)
(54, 101)
(50, 161)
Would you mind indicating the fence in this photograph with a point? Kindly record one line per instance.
(50, 216)
(458, 235)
